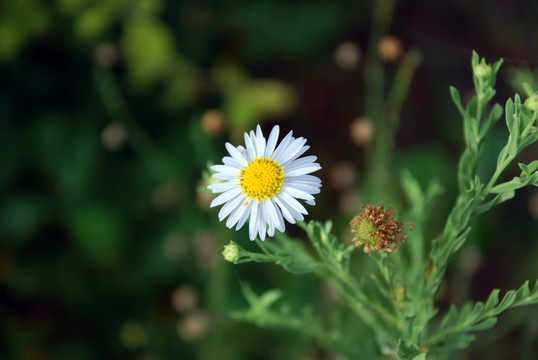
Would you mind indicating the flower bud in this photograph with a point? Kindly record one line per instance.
(482, 70)
(231, 252)
(532, 102)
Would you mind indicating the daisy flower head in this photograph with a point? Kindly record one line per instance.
(264, 182)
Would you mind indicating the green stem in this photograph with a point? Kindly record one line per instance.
(379, 153)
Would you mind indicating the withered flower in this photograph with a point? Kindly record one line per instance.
(376, 228)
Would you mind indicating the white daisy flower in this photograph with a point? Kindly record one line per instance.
(263, 181)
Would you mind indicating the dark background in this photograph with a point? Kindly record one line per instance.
(110, 111)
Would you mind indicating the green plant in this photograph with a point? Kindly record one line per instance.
(393, 309)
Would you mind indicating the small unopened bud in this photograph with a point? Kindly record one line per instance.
(532, 102)
(231, 252)
(482, 70)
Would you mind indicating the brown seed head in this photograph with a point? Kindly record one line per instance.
(376, 228)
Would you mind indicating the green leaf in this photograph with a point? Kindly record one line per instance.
(498, 199)
(516, 183)
(494, 115)
(484, 325)
(509, 113)
(456, 98)
(412, 189)
(410, 352)
(475, 59)
(528, 89)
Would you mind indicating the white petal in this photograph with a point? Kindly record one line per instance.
(243, 216)
(296, 193)
(295, 215)
(253, 225)
(269, 215)
(282, 146)
(276, 216)
(262, 222)
(260, 141)
(271, 142)
(230, 206)
(285, 211)
(230, 161)
(306, 188)
(308, 178)
(224, 169)
(292, 150)
(302, 162)
(310, 202)
(225, 177)
(294, 204)
(301, 152)
(236, 214)
(309, 187)
(250, 145)
(303, 170)
(222, 186)
(222, 198)
(236, 154)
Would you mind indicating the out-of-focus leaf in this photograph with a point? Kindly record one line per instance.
(19, 22)
(93, 22)
(68, 155)
(148, 46)
(21, 217)
(98, 232)
(249, 103)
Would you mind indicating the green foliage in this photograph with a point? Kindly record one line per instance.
(396, 303)
(107, 249)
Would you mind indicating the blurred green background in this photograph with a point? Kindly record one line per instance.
(110, 110)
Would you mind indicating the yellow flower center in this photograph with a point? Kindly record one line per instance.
(261, 179)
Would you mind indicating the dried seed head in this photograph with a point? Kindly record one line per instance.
(376, 228)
